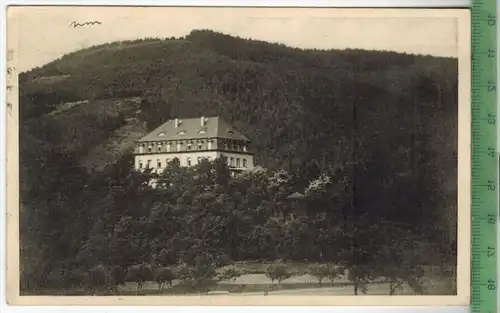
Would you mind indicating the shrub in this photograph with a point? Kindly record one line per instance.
(230, 273)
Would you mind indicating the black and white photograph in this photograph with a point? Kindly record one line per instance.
(240, 156)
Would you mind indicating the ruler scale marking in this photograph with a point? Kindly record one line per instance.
(484, 163)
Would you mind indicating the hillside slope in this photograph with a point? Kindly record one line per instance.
(306, 111)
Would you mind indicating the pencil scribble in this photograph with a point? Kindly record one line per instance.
(75, 24)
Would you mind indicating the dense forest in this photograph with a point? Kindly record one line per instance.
(377, 129)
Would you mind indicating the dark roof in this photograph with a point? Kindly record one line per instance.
(190, 128)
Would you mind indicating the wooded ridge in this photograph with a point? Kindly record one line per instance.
(382, 126)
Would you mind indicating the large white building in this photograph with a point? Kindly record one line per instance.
(191, 140)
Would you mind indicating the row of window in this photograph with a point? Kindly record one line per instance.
(237, 162)
(189, 147)
(168, 147)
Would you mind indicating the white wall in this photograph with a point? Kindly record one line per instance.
(193, 155)
(164, 157)
(236, 156)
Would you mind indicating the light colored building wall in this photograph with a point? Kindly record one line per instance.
(238, 156)
(164, 158)
(238, 160)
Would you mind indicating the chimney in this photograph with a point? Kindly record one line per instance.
(176, 123)
(202, 121)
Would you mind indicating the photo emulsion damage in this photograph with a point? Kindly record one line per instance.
(248, 154)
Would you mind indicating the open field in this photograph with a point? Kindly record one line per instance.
(255, 282)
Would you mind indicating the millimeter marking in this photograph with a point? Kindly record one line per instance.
(485, 159)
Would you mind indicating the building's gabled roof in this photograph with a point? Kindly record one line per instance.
(296, 195)
(190, 128)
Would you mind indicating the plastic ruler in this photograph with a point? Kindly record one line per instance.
(485, 161)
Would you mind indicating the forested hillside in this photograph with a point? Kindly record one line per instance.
(385, 122)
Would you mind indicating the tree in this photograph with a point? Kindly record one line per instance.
(334, 272)
(98, 278)
(359, 250)
(360, 277)
(118, 274)
(277, 271)
(185, 273)
(320, 271)
(398, 262)
(140, 274)
(204, 273)
(164, 275)
(230, 273)
(386, 139)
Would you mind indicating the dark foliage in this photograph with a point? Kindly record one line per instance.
(380, 127)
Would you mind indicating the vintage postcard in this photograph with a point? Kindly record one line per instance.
(238, 156)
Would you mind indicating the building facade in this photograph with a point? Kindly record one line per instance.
(190, 141)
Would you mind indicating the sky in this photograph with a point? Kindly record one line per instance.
(45, 34)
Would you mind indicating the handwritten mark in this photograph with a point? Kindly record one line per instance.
(75, 24)
(10, 54)
(10, 71)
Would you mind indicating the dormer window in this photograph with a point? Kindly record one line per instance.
(161, 134)
(181, 133)
(202, 132)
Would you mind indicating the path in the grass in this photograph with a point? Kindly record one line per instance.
(378, 289)
(257, 279)
(261, 279)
